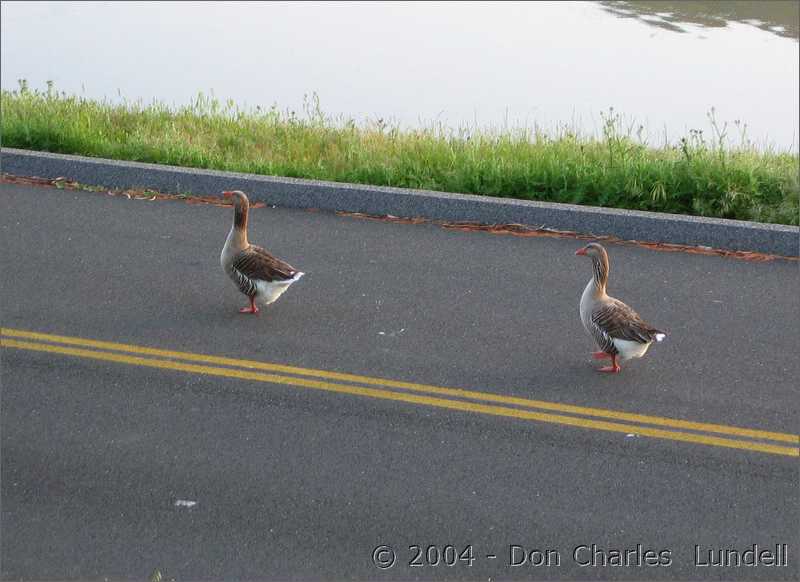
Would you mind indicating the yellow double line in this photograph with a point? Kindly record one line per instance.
(450, 398)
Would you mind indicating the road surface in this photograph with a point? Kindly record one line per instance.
(333, 429)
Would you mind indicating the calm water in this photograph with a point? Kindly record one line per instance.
(662, 64)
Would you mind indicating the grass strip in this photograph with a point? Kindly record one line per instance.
(698, 175)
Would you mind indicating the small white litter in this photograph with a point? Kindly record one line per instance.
(392, 333)
(185, 503)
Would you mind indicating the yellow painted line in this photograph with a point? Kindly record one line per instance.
(405, 397)
(454, 392)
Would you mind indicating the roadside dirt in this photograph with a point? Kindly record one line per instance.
(512, 229)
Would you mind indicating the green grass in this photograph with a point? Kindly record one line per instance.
(697, 175)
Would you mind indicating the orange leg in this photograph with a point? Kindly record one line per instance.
(613, 368)
(252, 309)
(601, 356)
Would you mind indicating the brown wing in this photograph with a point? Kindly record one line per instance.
(616, 320)
(256, 263)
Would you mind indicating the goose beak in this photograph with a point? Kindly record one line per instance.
(581, 252)
(227, 194)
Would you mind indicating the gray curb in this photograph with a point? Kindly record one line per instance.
(378, 200)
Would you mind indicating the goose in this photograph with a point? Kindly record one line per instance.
(617, 328)
(257, 274)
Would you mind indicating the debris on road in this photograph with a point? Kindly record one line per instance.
(514, 229)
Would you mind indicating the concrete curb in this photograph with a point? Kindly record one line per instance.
(378, 200)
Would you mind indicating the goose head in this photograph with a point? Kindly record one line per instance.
(239, 197)
(592, 250)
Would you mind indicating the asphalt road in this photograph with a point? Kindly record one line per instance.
(100, 459)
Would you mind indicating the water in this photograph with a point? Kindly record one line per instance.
(663, 65)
